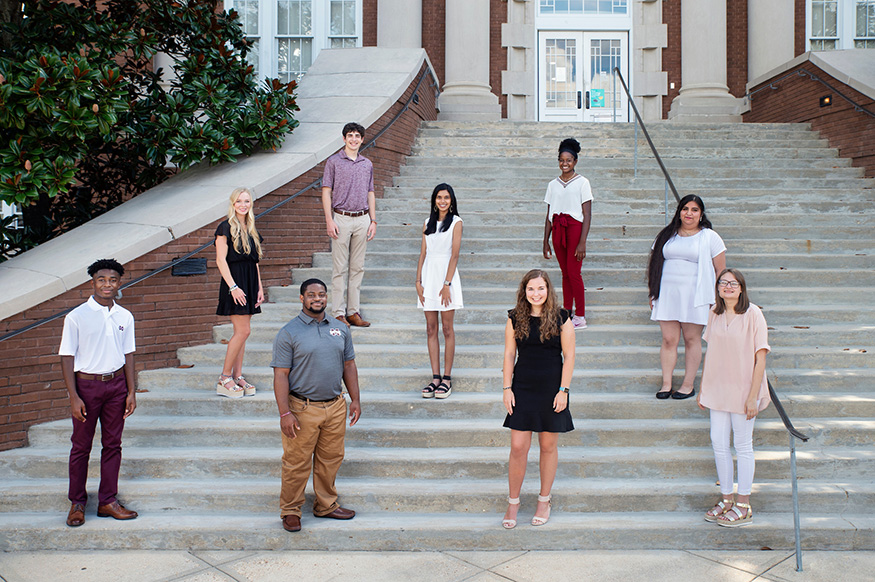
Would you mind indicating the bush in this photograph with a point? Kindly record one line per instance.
(86, 124)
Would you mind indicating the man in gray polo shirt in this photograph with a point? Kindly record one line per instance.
(313, 358)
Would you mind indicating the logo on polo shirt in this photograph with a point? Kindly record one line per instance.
(121, 328)
(335, 331)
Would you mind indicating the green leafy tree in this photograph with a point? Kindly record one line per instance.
(86, 122)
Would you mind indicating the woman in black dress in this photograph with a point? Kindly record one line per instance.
(540, 336)
(238, 249)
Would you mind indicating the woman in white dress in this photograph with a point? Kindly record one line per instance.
(438, 286)
(681, 276)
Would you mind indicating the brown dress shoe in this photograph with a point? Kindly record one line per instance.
(291, 523)
(76, 517)
(356, 320)
(339, 513)
(115, 510)
(342, 319)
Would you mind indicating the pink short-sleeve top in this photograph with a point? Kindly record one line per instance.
(729, 360)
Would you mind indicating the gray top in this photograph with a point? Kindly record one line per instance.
(315, 352)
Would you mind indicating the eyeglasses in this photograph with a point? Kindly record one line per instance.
(724, 283)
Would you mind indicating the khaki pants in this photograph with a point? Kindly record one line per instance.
(319, 443)
(348, 254)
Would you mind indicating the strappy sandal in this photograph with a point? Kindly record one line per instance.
(248, 389)
(428, 391)
(734, 518)
(722, 507)
(510, 523)
(227, 387)
(537, 520)
(443, 389)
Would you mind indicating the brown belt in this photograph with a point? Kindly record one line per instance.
(304, 398)
(101, 377)
(348, 213)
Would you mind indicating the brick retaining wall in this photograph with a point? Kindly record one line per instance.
(173, 312)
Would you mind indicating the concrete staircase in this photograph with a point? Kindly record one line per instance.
(637, 473)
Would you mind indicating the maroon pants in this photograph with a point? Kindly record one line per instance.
(566, 236)
(104, 401)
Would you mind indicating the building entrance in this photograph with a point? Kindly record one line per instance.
(575, 80)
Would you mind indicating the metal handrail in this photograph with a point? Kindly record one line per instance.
(647, 135)
(805, 72)
(414, 97)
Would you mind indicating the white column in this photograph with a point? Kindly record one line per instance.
(466, 93)
(770, 41)
(399, 23)
(704, 95)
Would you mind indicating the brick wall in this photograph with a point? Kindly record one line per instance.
(434, 16)
(173, 312)
(797, 100)
(799, 28)
(497, 54)
(671, 54)
(736, 47)
(369, 22)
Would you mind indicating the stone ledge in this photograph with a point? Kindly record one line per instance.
(342, 85)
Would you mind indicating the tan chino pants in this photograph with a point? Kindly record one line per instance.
(348, 255)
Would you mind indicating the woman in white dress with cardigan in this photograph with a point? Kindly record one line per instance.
(681, 276)
(438, 287)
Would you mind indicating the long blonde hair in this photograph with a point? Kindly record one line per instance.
(242, 243)
(549, 326)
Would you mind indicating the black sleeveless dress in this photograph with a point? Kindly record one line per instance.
(244, 271)
(537, 376)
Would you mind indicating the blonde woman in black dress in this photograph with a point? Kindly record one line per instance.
(539, 336)
(238, 250)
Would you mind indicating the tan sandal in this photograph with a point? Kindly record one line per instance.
(734, 517)
(538, 520)
(248, 389)
(226, 387)
(721, 508)
(510, 523)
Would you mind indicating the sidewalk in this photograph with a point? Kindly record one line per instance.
(450, 566)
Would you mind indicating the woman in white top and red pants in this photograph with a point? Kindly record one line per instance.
(569, 211)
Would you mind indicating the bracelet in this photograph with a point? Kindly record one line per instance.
(285, 414)
(232, 288)
(563, 389)
(507, 387)
(374, 221)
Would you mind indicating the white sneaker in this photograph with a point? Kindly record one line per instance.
(578, 321)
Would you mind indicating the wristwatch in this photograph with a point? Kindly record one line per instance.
(447, 283)
(563, 389)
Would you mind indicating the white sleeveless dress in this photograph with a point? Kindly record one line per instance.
(438, 251)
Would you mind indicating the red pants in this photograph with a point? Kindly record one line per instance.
(566, 236)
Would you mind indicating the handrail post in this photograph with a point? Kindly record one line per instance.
(796, 525)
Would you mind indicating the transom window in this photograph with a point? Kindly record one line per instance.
(548, 7)
(841, 24)
(287, 35)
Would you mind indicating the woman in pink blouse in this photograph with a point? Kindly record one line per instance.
(734, 388)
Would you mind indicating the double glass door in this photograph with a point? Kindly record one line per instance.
(575, 76)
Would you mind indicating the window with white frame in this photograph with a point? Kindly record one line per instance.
(548, 7)
(287, 35)
(841, 24)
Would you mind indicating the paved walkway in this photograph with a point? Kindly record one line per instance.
(536, 566)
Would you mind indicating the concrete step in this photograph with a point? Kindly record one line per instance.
(820, 336)
(489, 405)
(589, 495)
(387, 531)
(399, 295)
(757, 278)
(635, 466)
(188, 431)
(645, 380)
(623, 148)
(581, 130)
(424, 164)
(604, 256)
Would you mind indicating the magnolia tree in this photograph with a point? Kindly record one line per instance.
(86, 121)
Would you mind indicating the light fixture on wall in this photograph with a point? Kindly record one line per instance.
(826, 101)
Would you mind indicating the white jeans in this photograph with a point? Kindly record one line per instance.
(742, 428)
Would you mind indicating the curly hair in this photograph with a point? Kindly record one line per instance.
(549, 312)
(102, 264)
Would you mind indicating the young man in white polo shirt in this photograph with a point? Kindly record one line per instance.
(97, 360)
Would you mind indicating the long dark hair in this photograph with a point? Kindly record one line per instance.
(654, 266)
(549, 326)
(432, 227)
(743, 300)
